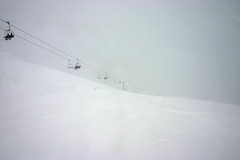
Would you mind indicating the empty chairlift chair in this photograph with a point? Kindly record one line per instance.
(70, 65)
(99, 76)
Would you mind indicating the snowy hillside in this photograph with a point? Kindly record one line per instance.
(47, 114)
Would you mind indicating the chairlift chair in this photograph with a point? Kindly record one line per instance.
(99, 76)
(70, 65)
(77, 65)
(9, 34)
(106, 77)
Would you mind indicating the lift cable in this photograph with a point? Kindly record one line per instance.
(89, 66)
(3, 20)
(39, 46)
(42, 47)
(2, 28)
(46, 49)
(57, 49)
(85, 64)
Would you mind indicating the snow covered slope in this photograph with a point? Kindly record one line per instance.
(47, 114)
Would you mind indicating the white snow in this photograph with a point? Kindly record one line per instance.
(51, 115)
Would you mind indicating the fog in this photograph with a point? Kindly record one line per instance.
(168, 48)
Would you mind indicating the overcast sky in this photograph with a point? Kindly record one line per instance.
(188, 48)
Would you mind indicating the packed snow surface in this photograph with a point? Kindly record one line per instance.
(51, 115)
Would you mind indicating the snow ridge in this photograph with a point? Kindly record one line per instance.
(48, 114)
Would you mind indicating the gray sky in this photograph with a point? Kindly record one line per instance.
(184, 48)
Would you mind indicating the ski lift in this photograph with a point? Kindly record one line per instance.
(106, 77)
(77, 65)
(70, 65)
(9, 34)
(99, 76)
